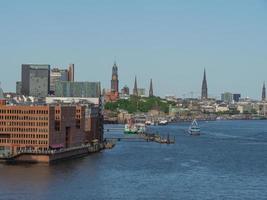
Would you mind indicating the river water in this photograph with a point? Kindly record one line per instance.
(228, 161)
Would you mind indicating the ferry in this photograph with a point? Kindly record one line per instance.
(134, 128)
(194, 128)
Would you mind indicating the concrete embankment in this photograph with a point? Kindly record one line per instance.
(52, 155)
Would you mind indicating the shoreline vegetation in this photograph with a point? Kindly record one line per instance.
(154, 108)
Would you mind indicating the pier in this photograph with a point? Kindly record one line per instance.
(146, 137)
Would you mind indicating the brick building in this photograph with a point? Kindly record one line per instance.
(48, 126)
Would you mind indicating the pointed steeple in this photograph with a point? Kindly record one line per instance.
(135, 90)
(204, 90)
(263, 95)
(151, 94)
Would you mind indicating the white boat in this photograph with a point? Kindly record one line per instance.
(163, 122)
(148, 122)
(194, 128)
(134, 128)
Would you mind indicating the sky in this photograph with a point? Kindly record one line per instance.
(170, 41)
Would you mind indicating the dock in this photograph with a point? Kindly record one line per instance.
(146, 137)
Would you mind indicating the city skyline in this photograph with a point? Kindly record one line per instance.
(171, 43)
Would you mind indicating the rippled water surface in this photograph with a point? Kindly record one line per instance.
(228, 161)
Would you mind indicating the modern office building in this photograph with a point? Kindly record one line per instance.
(18, 87)
(77, 89)
(35, 80)
(236, 97)
(57, 75)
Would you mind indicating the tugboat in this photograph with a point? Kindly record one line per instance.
(194, 128)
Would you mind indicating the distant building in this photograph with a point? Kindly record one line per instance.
(57, 75)
(125, 90)
(204, 89)
(77, 89)
(236, 97)
(135, 89)
(18, 87)
(263, 95)
(35, 80)
(1, 93)
(71, 73)
(227, 97)
(141, 92)
(151, 93)
(115, 79)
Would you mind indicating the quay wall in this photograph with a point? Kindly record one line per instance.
(55, 156)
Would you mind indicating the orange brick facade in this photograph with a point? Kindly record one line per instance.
(45, 127)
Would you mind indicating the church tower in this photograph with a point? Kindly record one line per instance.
(263, 95)
(204, 90)
(135, 90)
(151, 94)
(115, 79)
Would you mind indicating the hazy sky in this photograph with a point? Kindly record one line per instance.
(170, 41)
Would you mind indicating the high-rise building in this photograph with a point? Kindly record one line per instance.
(71, 72)
(1, 93)
(57, 75)
(236, 97)
(135, 89)
(18, 87)
(204, 90)
(263, 95)
(35, 80)
(77, 89)
(115, 79)
(227, 97)
(151, 93)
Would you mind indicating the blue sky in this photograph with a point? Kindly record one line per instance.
(170, 41)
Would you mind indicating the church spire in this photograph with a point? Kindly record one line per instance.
(263, 95)
(135, 90)
(204, 90)
(151, 94)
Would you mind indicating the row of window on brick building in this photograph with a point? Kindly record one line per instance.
(16, 123)
(29, 130)
(40, 142)
(25, 112)
(16, 117)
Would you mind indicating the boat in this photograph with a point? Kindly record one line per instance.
(141, 128)
(194, 128)
(130, 129)
(134, 128)
(148, 122)
(163, 122)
